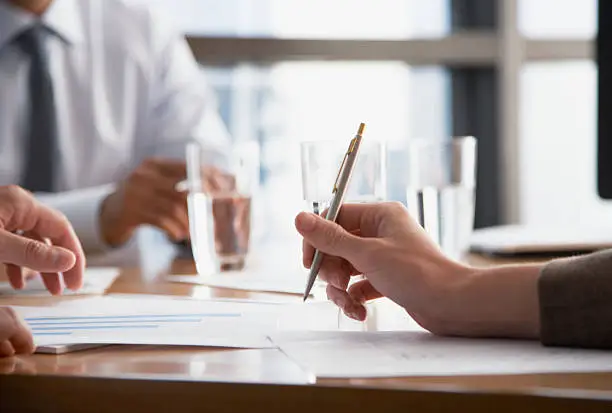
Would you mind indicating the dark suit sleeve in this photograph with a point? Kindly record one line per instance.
(576, 301)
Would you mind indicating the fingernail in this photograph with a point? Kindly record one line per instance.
(57, 257)
(357, 312)
(61, 257)
(306, 222)
(351, 314)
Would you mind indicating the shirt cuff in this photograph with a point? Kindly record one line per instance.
(82, 208)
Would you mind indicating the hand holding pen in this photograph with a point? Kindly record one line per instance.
(339, 191)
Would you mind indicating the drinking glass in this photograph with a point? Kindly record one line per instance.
(321, 162)
(441, 190)
(220, 206)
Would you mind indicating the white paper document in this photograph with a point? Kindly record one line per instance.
(96, 281)
(247, 280)
(108, 320)
(412, 353)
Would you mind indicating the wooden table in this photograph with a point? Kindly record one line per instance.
(156, 379)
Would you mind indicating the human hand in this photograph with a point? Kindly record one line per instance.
(15, 335)
(392, 251)
(149, 196)
(47, 245)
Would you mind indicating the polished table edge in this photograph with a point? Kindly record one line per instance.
(133, 395)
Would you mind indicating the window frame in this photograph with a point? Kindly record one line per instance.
(479, 41)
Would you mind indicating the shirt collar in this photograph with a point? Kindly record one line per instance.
(62, 18)
(12, 21)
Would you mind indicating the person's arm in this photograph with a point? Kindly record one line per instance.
(494, 302)
(180, 108)
(182, 105)
(566, 302)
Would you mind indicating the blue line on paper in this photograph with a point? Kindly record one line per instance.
(127, 327)
(148, 320)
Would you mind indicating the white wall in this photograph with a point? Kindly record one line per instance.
(558, 145)
(557, 18)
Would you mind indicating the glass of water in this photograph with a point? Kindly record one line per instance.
(220, 207)
(441, 190)
(321, 162)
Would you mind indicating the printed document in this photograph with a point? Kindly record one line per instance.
(417, 353)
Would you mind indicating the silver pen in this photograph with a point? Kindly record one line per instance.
(339, 190)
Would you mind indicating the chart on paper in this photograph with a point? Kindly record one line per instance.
(106, 320)
(65, 326)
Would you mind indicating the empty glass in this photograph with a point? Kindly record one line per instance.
(441, 190)
(220, 207)
(321, 161)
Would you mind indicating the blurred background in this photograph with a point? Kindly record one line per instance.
(517, 74)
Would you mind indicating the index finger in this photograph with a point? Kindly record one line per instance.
(358, 217)
(47, 223)
(308, 250)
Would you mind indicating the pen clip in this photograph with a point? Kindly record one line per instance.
(346, 155)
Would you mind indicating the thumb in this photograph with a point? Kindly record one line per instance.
(36, 255)
(329, 237)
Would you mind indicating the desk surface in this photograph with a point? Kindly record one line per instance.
(146, 377)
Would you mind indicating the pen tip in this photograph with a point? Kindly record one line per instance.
(361, 129)
(304, 299)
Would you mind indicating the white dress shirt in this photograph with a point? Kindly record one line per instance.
(126, 87)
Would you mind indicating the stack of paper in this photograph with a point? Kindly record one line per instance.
(414, 353)
(133, 319)
(163, 322)
(168, 321)
(96, 281)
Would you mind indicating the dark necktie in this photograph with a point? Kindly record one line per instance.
(39, 173)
